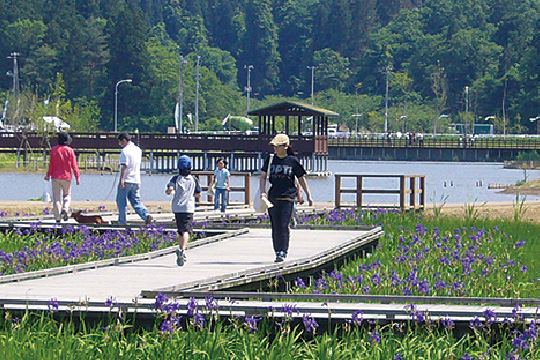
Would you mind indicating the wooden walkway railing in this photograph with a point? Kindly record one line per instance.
(444, 143)
(407, 186)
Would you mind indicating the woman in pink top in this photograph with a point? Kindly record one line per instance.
(61, 167)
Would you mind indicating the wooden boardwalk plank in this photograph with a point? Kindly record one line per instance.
(220, 259)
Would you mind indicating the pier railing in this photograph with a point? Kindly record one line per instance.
(209, 179)
(442, 143)
(411, 187)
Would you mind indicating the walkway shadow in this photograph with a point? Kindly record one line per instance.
(234, 262)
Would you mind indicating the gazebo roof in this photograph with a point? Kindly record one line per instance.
(292, 108)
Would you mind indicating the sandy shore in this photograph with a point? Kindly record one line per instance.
(530, 209)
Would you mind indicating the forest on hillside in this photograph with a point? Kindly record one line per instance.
(445, 61)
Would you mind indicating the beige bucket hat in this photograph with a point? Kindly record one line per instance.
(280, 139)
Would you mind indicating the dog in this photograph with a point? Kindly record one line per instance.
(87, 219)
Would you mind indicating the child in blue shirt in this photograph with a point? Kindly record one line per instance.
(222, 179)
(185, 188)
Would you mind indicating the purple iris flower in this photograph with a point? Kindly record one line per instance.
(211, 303)
(198, 320)
(520, 341)
(398, 357)
(161, 299)
(299, 283)
(251, 323)
(321, 284)
(375, 336)
(447, 322)
(166, 326)
(467, 357)
(520, 244)
(515, 313)
(358, 317)
(475, 323)
(418, 316)
(490, 316)
(424, 287)
(376, 279)
(192, 306)
(53, 304)
(109, 302)
(289, 309)
(406, 291)
(310, 323)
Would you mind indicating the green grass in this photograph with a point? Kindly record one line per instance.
(41, 337)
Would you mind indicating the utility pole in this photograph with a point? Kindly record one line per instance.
(388, 69)
(357, 115)
(15, 75)
(179, 122)
(312, 81)
(197, 95)
(467, 107)
(248, 85)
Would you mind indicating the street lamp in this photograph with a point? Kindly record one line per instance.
(248, 86)
(535, 119)
(388, 69)
(356, 116)
(435, 125)
(116, 103)
(312, 80)
(404, 118)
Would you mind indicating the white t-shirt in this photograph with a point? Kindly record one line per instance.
(131, 156)
(185, 187)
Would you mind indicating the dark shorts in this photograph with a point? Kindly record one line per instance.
(184, 222)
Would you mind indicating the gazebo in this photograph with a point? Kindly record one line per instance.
(305, 124)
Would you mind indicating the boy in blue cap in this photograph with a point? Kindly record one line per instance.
(185, 188)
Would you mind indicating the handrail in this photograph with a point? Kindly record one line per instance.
(445, 143)
(412, 190)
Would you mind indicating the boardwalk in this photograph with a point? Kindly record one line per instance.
(218, 261)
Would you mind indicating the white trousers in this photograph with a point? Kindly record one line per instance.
(60, 202)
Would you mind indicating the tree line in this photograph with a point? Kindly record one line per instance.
(442, 61)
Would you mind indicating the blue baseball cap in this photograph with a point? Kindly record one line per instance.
(184, 162)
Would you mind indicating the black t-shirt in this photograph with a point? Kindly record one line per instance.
(282, 176)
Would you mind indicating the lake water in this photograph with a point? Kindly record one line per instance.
(458, 182)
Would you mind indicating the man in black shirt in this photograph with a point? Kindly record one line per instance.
(284, 170)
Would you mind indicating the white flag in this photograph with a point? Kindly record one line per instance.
(177, 116)
(226, 119)
(5, 109)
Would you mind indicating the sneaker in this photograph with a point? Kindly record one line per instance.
(148, 219)
(64, 215)
(180, 257)
(279, 257)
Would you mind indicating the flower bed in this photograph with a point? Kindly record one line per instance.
(438, 258)
(31, 250)
(197, 331)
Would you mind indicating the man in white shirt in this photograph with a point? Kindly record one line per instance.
(130, 180)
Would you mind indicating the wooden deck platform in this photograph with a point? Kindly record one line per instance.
(220, 264)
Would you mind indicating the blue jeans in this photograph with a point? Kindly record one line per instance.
(131, 192)
(221, 197)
